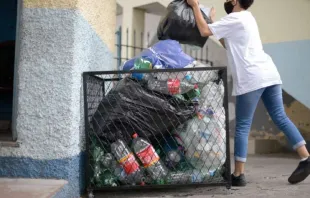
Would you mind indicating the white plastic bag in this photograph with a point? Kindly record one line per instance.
(212, 96)
(204, 140)
(204, 137)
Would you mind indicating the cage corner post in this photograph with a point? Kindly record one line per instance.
(226, 107)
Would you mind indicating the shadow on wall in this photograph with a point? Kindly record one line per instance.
(263, 127)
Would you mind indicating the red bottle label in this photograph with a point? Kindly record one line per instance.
(174, 86)
(148, 156)
(129, 164)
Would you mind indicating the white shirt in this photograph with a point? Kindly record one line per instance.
(252, 68)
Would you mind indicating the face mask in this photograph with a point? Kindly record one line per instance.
(228, 7)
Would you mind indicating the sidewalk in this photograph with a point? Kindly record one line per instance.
(266, 175)
(29, 188)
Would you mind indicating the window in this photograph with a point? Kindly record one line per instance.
(8, 21)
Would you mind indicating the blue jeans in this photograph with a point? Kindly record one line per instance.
(245, 108)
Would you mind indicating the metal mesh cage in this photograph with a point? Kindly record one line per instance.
(156, 128)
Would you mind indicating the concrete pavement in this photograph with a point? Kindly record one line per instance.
(267, 177)
(30, 188)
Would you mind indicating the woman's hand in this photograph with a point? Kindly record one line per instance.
(212, 14)
(193, 3)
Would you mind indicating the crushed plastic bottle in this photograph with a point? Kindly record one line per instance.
(171, 86)
(172, 152)
(149, 158)
(189, 177)
(191, 79)
(173, 158)
(127, 161)
(193, 94)
(97, 153)
(178, 178)
(141, 64)
(107, 160)
(110, 163)
(104, 177)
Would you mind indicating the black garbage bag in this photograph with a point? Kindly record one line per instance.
(179, 24)
(130, 107)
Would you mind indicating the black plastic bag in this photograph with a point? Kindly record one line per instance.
(130, 107)
(180, 25)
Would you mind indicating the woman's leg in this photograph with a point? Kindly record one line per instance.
(272, 98)
(245, 108)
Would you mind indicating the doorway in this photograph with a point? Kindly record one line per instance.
(8, 21)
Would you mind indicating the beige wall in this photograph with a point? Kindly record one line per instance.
(138, 3)
(278, 20)
(101, 15)
(94, 11)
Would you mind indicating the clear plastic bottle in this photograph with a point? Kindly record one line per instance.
(141, 64)
(128, 161)
(104, 177)
(171, 86)
(110, 163)
(193, 94)
(189, 177)
(173, 157)
(149, 158)
(191, 79)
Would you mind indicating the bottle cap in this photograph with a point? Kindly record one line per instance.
(142, 181)
(188, 77)
(135, 135)
(196, 86)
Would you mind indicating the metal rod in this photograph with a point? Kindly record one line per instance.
(155, 70)
(134, 43)
(119, 48)
(148, 39)
(127, 33)
(226, 107)
(151, 187)
(87, 129)
(141, 44)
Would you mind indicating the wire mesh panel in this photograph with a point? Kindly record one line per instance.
(156, 128)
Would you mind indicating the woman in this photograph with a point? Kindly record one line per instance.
(255, 76)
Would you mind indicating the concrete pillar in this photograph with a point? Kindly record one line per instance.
(133, 26)
(58, 40)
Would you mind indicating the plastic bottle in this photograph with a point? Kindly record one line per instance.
(97, 153)
(110, 163)
(104, 177)
(191, 79)
(171, 86)
(172, 158)
(149, 158)
(141, 64)
(195, 79)
(193, 94)
(204, 141)
(107, 160)
(189, 177)
(128, 161)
